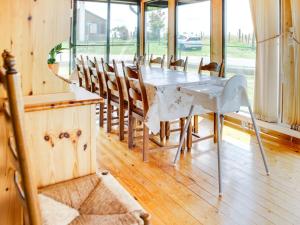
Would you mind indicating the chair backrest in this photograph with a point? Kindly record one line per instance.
(179, 63)
(119, 82)
(157, 60)
(80, 72)
(139, 60)
(234, 94)
(136, 90)
(111, 80)
(101, 79)
(212, 67)
(23, 176)
(86, 75)
(93, 75)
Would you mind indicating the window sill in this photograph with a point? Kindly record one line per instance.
(277, 127)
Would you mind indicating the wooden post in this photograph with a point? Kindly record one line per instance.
(216, 30)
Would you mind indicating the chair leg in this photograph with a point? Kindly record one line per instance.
(189, 139)
(262, 151)
(219, 144)
(121, 123)
(182, 137)
(182, 132)
(101, 115)
(130, 131)
(109, 117)
(145, 142)
(196, 124)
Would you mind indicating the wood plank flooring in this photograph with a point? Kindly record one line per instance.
(188, 192)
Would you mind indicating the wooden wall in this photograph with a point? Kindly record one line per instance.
(30, 29)
(62, 143)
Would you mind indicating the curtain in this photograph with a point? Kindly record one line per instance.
(294, 117)
(265, 16)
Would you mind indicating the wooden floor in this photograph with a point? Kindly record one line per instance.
(188, 193)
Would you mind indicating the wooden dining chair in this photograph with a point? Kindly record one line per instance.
(174, 65)
(138, 105)
(115, 97)
(70, 201)
(140, 60)
(213, 68)
(158, 60)
(179, 63)
(79, 71)
(85, 72)
(93, 76)
(98, 86)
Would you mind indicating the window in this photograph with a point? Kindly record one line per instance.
(193, 32)
(90, 40)
(106, 29)
(123, 32)
(156, 28)
(240, 43)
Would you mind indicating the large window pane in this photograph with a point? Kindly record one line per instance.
(193, 32)
(240, 44)
(123, 32)
(91, 28)
(156, 28)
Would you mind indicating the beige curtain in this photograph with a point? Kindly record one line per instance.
(294, 82)
(265, 15)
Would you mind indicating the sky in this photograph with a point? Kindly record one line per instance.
(192, 18)
(196, 17)
(120, 14)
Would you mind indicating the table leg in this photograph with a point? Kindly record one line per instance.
(168, 129)
(215, 128)
(196, 124)
(162, 131)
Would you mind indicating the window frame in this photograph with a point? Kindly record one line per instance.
(73, 38)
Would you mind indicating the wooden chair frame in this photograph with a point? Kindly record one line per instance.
(26, 187)
(80, 73)
(136, 94)
(179, 63)
(115, 97)
(157, 60)
(139, 60)
(86, 75)
(25, 184)
(212, 67)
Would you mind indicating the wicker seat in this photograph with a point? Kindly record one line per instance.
(90, 200)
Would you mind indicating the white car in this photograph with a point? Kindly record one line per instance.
(186, 43)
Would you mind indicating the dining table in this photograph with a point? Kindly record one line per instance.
(166, 102)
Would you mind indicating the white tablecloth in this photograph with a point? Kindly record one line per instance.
(166, 102)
